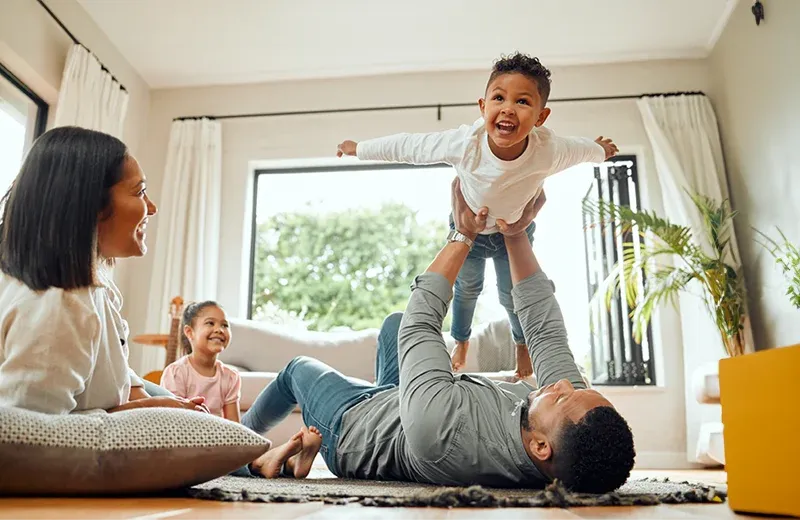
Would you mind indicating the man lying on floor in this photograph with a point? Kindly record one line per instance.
(423, 423)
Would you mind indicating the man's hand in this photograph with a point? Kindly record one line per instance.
(465, 220)
(450, 259)
(608, 145)
(539, 203)
(346, 148)
(528, 214)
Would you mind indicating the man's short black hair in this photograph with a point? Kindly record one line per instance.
(526, 65)
(594, 455)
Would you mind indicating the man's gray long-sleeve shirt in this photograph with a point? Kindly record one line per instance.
(449, 429)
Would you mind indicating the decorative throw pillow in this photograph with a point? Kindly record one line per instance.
(142, 450)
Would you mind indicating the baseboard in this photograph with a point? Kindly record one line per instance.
(663, 460)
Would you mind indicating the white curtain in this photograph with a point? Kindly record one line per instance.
(187, 242)
(89, 97)
(688, 154)
(684, 136)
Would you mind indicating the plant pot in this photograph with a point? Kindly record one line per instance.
(760, 404)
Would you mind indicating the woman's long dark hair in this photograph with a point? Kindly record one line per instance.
(48, 231)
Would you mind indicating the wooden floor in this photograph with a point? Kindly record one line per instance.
(181, 508)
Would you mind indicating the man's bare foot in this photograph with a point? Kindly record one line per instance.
(300, 464)
(270, 463)
(524, 366)
(459, 356)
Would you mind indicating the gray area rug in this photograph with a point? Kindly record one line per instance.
(407, 494)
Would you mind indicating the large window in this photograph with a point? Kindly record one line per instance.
(23, 117)
(337, 248)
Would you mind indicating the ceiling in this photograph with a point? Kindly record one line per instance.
(202, 42)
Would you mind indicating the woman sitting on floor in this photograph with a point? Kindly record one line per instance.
(79, 202)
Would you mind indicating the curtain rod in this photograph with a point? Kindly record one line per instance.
(77, 42)
(438, 107)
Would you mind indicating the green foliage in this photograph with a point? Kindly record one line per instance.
(787, 256)
(653, 273)
(346, 269)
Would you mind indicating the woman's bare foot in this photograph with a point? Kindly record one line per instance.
(524, 366)
(300, 464)
(459, 356)
(270, 463)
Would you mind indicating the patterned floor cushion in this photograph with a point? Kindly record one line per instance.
(142, 450)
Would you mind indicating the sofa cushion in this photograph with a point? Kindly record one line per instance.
(252, 385)
(264, 347)
(142, 450)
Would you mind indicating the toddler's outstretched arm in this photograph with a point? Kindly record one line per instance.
(571, 151)
(421, 148)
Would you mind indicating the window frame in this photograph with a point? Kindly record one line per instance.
(42, 108)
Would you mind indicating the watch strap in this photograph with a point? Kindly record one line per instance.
(455, 236)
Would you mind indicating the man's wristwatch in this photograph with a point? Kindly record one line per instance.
(455, 236)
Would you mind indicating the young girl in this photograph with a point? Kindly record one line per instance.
(206, 333)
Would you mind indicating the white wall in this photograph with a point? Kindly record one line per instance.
(756, 80)
(656, 414)
(35, 49)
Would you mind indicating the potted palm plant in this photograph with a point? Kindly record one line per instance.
(654, 272)
(758, 391)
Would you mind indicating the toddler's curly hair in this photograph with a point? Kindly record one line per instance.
(526, 65)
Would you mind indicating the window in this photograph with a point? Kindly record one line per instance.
(23, 118)
(616, 357)
(338, 247)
